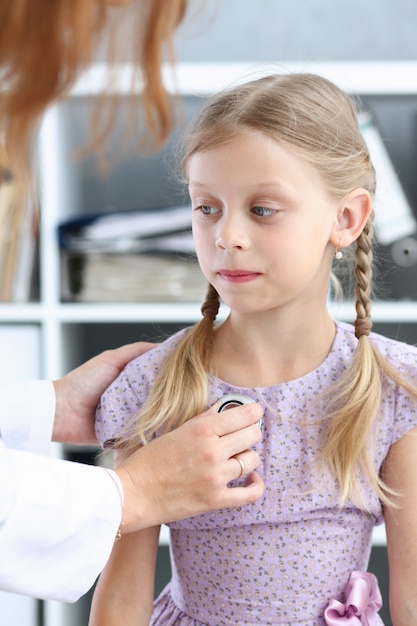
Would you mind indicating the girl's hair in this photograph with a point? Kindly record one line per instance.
(44, 46)
(318, 121)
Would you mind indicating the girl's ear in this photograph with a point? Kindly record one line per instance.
(352, 216)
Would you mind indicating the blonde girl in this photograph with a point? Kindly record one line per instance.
(281, 184)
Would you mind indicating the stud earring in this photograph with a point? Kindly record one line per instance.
(338, 254)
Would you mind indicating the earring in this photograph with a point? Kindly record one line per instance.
(338, 254)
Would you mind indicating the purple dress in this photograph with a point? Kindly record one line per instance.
(281, 560)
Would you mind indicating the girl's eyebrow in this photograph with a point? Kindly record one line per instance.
(276, 187)
(268, 183)
(196, 183)
(273, 182)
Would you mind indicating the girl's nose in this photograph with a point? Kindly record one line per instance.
(232, 234)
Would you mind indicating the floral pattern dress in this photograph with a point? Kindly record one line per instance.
(282, 560)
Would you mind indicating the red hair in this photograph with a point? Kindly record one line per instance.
(44, 46)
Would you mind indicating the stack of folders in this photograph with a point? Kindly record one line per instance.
(395, 272)
(131, 256)
(149, 256)
(395, 252)
(18, 239)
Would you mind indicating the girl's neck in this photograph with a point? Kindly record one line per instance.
(263, 350)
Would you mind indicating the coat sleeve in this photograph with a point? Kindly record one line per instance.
(58, 519)
(27, 412)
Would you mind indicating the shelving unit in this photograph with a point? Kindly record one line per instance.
(53, 318)
(63, 327)
(60, 199)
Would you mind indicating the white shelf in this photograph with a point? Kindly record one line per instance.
(382, 312)
(364, 78)
(17, 313)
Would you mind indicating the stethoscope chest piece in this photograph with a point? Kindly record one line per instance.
(233, 400)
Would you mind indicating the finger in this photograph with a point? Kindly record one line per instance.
(234, 419)
(239, 496)
(233, 443)
(243, 463)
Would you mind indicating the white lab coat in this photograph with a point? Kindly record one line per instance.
(58, 519)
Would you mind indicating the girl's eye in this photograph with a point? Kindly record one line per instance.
(263, 211)
(207, 210)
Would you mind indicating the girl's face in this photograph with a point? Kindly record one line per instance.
(262, 221)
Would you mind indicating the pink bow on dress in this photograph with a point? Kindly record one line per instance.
(362, 602)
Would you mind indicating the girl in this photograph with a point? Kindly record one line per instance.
(281, 183)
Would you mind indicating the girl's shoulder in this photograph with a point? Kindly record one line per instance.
(398, 409)
(151, 360)
(401, 355)
(127, 393)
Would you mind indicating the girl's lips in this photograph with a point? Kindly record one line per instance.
(238, 276)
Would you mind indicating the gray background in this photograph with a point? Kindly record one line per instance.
(299, 30)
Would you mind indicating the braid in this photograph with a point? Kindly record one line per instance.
(211, 305)
(181, 382)
(363, 274)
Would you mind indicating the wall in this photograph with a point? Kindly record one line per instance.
(299, 30)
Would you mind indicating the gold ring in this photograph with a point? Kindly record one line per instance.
(242, 465)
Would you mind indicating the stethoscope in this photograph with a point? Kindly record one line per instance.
(231, 401)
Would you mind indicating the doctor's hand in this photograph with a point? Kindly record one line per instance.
(78, 393)
(186, 472)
